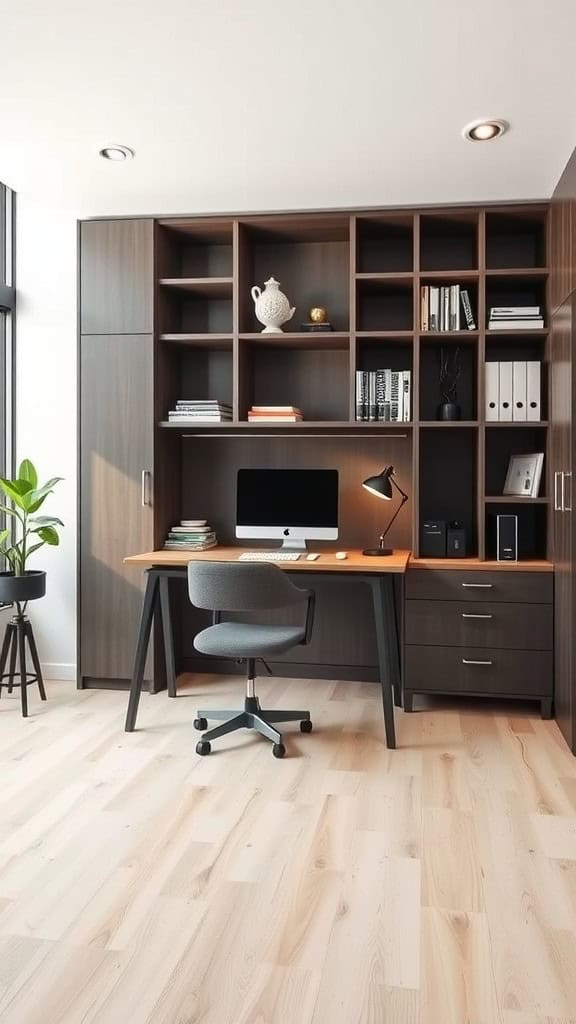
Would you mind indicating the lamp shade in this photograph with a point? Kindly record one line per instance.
(380, 485)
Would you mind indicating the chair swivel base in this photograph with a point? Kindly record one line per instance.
(253, 717)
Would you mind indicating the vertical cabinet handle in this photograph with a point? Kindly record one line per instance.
(567, 492)
(559, 491)
(146, 488)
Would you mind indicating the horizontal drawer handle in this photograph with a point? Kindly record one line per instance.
(474, 615)
(481, 586)
(470, 661)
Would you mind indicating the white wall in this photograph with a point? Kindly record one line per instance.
(46, 409)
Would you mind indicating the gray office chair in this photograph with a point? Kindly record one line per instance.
(238, 587)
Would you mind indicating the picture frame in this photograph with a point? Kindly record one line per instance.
(524, 475)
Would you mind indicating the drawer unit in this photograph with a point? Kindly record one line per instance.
(479, 585)
(478, 670)
(480, 624)
(479, 632)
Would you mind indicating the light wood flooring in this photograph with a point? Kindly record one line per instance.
(347, 884)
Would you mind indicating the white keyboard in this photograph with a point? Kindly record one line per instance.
(269, 556)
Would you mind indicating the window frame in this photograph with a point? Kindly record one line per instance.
(7, 328)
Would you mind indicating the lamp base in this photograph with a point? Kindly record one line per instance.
(375, 552)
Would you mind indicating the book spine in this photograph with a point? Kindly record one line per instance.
(359, 395)
(381, 394)
(466, 306)
(434, 320)
(407, 387)
(394, 395)
(372, 404)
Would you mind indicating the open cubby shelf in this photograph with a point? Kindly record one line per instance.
(366, 269)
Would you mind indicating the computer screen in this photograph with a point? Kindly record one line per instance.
(294, 504)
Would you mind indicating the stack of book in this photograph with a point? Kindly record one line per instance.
(207, 410)
(515, 318)
(383, 395)
(274, 414)
(191, 535)
(440, 308)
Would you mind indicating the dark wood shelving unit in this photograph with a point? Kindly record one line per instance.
(166, 313)
(367, 269)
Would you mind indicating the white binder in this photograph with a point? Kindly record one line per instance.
(519, 390)
(505, 392)
(533, 387)
(492, 391)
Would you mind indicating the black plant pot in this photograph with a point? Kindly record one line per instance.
(449, 411)
(28, 587)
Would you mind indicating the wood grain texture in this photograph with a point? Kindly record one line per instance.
(562, 237)
(356, 562)
(116, 443)
(347, 884)
(561, 460)
(116, 276)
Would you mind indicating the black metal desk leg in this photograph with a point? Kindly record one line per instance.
(148, 609)
(386, 638)
(167, 636)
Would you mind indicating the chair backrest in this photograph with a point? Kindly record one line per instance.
(241, 586)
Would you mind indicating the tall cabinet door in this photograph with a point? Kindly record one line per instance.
(561, 455)
(116, 429)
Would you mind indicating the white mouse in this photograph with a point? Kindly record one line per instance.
(341, 554)
(312, 557)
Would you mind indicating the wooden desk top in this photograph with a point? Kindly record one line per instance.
(534, 565)
(327, 562)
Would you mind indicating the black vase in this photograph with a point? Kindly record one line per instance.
(449, 411)
(28, 587)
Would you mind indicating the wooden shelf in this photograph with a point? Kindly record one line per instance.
(539, 273)
(313, 426)
(449, 275)
(447, 424)
(516, 424)
(209, 341)
(390, 335)
(208, 287)
(458, 336)
(390, 276)
(514, 499)
(327, 340)
(539, 332)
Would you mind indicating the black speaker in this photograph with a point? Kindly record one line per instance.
(456, 540)
(433, 539)
(507, 538)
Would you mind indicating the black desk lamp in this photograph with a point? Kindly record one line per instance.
(381, 486)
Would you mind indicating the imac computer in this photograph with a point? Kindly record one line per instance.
(291, 505)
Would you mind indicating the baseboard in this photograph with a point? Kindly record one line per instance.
(62, 670)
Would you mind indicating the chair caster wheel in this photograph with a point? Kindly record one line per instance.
(278, 750)
(306, 725)
(201, 724)
(203, 747)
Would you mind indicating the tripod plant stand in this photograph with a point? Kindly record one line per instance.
(18, 632)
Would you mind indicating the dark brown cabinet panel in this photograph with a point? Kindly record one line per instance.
(478, 670)
(563, 237)
(463, 624)
(116, 437)
(479, 585)
(116, 277)
(561, 455)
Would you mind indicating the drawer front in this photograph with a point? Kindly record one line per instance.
(479, 585)
(477, 670)
(525, 627)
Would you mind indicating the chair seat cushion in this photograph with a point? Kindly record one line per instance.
(244, 640)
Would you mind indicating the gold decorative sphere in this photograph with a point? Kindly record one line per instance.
(318, 315)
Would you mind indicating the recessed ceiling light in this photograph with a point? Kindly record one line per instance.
(486, 130)
(116, 153)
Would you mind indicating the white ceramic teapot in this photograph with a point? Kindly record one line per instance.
(271, 306)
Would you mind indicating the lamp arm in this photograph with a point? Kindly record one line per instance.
(404, 498)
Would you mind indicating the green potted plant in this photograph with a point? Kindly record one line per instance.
(25, 534)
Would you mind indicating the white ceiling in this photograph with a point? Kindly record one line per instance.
(258, 105)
